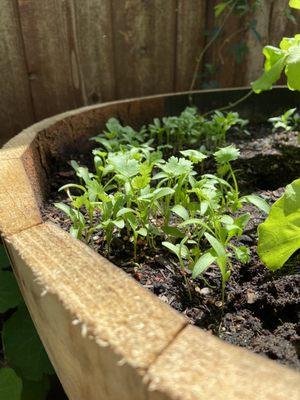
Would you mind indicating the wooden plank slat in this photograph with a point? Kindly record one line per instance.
(280, 25)
(144, 43)
(254, 59)
(52, 56)
(120, 328)
(18, 205)
(199, 366)
(93, 25)
(15, 104)
(124, 338)
(221, 53)
(190, 40)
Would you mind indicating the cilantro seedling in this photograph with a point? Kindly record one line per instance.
(290, 120)
(136, 192)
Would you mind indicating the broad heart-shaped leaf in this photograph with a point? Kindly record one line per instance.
(13, 388)
(23, 348)
(10, 385)
(269, 77)
(272, 54)
(295, 4)
(286, 57)
(279, 235)
(292, 69)
(10, 295)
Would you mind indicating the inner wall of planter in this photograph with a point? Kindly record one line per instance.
(69, 136)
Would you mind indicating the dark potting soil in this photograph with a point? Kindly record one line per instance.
(262, 309)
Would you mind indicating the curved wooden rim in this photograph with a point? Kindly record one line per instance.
(106, 336)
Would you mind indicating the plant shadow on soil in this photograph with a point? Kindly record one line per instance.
(262, 309)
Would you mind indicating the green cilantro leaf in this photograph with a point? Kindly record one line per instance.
(226, 154)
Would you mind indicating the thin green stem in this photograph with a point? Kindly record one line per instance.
(230, 105)
(236, 187)
(134, 245)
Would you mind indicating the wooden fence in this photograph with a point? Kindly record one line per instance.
(57, 55)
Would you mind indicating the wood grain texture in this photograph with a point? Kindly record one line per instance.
(199, 366)
(57, 55)
(18, 206)
(123, 340)
(52, 56)
(144, 46)
(222, 54)
(280, 25)
(190, 40)
(16, 109)
(121, 328)
(92, 21)
(255, 59)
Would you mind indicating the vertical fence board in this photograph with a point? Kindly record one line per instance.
(60, 54)
(52, 57)
(254, 59)
(231, 53)
(95, 47)
(222, 53)
(144, 43)
(190, 40)
(15, 103)
(279, 24)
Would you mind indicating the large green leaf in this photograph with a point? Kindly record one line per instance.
(10, 295)
(272, 54)
(287, 58)
(35, 390)
(292, 69)
(4, 262)
(272, 72)
(10, 385)
(279, 235)
(23, 348)
(295, 4)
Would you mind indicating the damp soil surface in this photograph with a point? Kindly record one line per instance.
(262, 309)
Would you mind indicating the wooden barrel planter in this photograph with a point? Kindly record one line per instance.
(108, 337)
